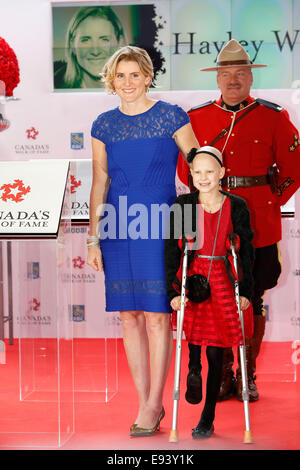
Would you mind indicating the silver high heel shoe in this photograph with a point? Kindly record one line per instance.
(136, 431)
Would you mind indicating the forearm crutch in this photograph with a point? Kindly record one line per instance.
(242, 350)
(180, 316)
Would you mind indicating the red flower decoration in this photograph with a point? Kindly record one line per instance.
(9, 67)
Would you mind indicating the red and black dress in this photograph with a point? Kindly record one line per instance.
(215, 322)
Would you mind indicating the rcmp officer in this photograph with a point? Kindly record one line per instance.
(261, 154)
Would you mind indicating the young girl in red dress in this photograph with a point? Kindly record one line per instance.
(213, 323)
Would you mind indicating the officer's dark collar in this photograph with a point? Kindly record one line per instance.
(236, 107)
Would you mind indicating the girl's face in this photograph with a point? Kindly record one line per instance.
(130, 83)
(206, 173)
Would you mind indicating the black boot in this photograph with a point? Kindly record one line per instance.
(193, 393)
(228, 383)
(252, 350)
(201, 431)
(252, 390)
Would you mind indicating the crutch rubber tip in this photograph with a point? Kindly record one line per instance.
(173, 436)
(248, 437)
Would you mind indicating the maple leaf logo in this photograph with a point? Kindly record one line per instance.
(32, 133)
(74, 184)
(78, 262)
(14, 191)
(34, 304)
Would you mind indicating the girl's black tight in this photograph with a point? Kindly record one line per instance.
(195, 356)
(214, 377)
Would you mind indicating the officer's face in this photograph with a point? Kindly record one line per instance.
(234, 83)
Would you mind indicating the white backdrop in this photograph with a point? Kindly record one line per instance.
(42, 122)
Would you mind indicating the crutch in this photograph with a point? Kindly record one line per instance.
(180, 316)
(242, 349)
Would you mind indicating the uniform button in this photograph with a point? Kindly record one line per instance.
(228, 169)
(228, 190)
(256, 141)
(205, 142)
(231, 152)
(269, 202)
(233, 134)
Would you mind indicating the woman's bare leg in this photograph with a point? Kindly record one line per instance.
(136, 345)
(160, 348)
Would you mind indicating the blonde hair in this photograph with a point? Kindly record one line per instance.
(127, 53)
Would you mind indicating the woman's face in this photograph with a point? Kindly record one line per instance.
(94, 43)
(130, 83)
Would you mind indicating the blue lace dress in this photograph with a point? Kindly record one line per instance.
(142, 158)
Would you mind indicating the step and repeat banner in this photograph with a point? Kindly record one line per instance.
(60, 47)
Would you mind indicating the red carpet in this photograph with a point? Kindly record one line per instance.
(275, 418)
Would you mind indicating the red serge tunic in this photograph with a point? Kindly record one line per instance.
(263, 137)
(215, 322)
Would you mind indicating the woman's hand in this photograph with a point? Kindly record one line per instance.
(175, 302)
(94, 258)
(244, 303)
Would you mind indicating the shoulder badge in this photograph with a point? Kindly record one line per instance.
(207, 103)
(268, 104)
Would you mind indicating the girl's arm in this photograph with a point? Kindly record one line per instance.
(243, 228)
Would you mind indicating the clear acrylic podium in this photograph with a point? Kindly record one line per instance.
(95, 330)
(39, 380)
(279, 359)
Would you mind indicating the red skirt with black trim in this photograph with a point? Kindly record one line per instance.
(215, 322)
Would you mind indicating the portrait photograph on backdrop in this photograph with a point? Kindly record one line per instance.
(181, 36)
(85, 37)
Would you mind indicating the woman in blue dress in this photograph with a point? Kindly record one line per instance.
(135, 150)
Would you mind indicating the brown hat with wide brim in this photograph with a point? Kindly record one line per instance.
(233, 55)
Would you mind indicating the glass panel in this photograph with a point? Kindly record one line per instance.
(40, 405)
(95, 369)
(95, 338)
(279, 354)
